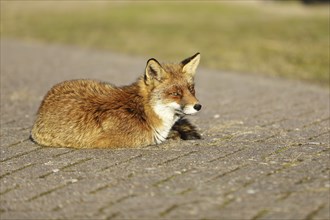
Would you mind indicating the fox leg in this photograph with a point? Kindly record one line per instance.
(185, 130)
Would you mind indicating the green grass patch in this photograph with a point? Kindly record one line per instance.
(287, 40)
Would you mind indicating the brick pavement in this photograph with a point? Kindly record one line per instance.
(264, 153)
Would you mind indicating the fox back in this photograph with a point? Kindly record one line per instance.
(94, 114)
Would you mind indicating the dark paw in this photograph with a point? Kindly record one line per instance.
(190, 136)
(185, 130)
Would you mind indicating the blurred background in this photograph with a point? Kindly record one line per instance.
(289, 39)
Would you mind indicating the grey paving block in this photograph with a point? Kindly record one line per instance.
(264, 152)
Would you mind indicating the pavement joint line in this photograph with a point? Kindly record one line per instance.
(311, 215)
(65, 167)
(296, 158)
(64, 153)
(16, 170)
(281, 149)
(102, 188)
(245, 185)
(17, 128)
(76, 163)
(162, 181)
(267, 138)
(324, 150)
(226, 155)
(284, 196)
(260, 214)
(112, 203)
(46, 192)
(190, 189)
(112, 216)
(185, 191)
(297, 185)
(306, 179)
(57, 208)
(284, 167)
(8, 122)
(172, 207)
(17, 143)
(226, 173)
(175, 158)
(26, 128)
(121, 162)
(318, 121)
(52, 190)
(9, 190)
(226, 202)
(318, 135)
(168, 210)
(20, 154)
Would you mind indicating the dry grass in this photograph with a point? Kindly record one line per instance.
(287, 40)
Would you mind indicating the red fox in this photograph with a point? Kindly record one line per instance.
(93, 114)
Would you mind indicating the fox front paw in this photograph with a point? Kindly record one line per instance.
(184, 130)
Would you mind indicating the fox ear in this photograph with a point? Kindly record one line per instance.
(190, 64)
(154, 71)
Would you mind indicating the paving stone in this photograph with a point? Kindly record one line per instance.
(264, 152)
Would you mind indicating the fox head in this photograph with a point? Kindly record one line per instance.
(171, 86)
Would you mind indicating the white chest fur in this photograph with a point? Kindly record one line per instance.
(166, 112)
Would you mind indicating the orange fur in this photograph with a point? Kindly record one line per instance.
(93, 114)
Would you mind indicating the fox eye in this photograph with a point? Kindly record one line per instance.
(192, 90)
(176, 93)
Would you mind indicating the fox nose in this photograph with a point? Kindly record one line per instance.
(197, 107)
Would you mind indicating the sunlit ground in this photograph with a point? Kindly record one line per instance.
(283, 39)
